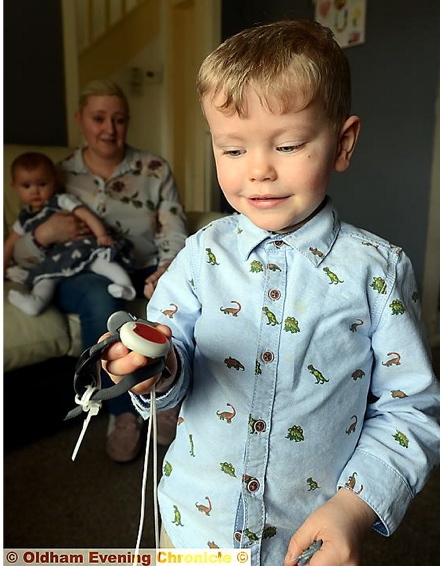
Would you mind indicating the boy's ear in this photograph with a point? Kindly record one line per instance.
(347, 142)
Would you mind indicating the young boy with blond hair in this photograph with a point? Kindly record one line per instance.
(310, 409)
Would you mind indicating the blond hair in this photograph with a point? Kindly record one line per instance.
(289, 64)
(102, 87)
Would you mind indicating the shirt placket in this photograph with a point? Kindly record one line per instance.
(257, 447)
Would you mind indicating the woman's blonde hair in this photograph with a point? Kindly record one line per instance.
(102, 87)
(288, 64)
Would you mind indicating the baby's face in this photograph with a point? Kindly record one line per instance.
(273, 168)
(34, 186)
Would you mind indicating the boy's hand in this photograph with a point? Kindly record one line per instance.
(118, 361)
(341, 524)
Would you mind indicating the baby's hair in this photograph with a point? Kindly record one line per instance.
(289, 64)
(32, 160)
(102, 87)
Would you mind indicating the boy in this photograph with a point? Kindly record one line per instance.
(310, 405)
(35, 178)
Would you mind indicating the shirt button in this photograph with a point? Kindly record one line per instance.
(279, 243)
(253, 485)
(259, 426)
(274, 294)
(267, 357)
(238, 535)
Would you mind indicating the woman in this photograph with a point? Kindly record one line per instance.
(135, 193)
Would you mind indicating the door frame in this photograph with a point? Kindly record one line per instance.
(192, 30)
(431, 279)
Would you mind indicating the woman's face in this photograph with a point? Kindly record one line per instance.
(103, 122)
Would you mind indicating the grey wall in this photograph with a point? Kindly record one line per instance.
(395, 81)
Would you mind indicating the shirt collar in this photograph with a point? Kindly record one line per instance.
(313, 240)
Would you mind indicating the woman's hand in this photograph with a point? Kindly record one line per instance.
(61, 227)
(151, 281)
(105, 240)
(118, 361)
(342, 524)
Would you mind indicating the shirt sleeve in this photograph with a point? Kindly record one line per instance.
(399, 445)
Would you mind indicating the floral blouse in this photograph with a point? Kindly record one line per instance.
(140, 201)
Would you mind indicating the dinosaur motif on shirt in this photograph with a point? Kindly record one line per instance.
(351, 483)
(316, 252)
(291, 325)
(167, 468)
(401, 438)
(271, 318)
(256, 266)
(227, 415)
(397, 307)
(177, 517)
(205, 508)
(332, 276)
(233, 363)
(273, 267)
(211, 544)
(352, 427)
(379, 285)
(353, 326)
(315, 372)
(295, 433)
(211, 257)
(398, 394)
(170, 312)
(228, 468)
(392, 361)
(250, 535)
(312, 484)
(269, 532)
(191, 446)
(232, 310)
(358, 374)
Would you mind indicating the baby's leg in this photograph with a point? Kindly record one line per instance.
(37, 300)
(121, 287)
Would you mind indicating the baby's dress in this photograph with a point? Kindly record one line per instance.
(68, 258)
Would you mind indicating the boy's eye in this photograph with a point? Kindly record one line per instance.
(233, 152)
(121, 121)
(98, 119)
(288, 148)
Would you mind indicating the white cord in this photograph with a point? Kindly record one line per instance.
(89, 406)
(152, 427)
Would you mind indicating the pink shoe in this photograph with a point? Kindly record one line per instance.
(124, 439)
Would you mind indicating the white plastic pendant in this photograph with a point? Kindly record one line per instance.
(144, 339)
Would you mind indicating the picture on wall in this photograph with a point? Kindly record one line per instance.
(346, 18)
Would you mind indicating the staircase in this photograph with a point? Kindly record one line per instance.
(111, 32)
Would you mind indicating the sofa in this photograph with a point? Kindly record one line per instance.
(31, 340)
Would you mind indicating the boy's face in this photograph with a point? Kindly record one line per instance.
(34, 186)
(275, 168)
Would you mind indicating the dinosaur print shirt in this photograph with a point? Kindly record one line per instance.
(305, 368)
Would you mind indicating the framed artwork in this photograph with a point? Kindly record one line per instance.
(346, 18)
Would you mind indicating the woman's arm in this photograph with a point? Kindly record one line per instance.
(8, 248)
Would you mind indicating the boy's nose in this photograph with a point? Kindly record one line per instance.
(261, 169)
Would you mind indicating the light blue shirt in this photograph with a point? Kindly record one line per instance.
(305, 368)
